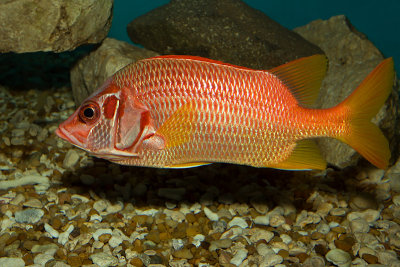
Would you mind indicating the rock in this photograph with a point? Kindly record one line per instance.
(183, 253)
(315, 261)
(29, 215)
(222, 243)
(41, 259)
(239, 257)
(103, 259)
(226, 30)
(15, 262)
(71, 159)
(351, 58)
(339, 257)
(46, 25)
(94, 69)
(49, 229)
(359, 225)
(49, 249)
(257, 234)
(238, 221)
(64, 236)
(212, 216)
(276, 220)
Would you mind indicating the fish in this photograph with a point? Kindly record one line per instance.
(185, 111)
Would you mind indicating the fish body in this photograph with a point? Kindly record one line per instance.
(180, 111)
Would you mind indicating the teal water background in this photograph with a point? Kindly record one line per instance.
(379, 20)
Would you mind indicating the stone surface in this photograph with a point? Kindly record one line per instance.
(46, 25)
(15, 262)
(351, 58)
(29, 215)
(94, 69)
(226, 30)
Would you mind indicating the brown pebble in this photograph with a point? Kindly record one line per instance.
(64, 197)
(104, 238)
(321, 249)
(11, 239)
(140, 219)
(60, 254)
(28, 244)
(283, 253)
(302, 257)
(339, 230)
(137, 246)
(136, 262)
(74, 261)
(28, 259)
(192, 231)
(164, 236)
(317, 235)
(343, 245)
(56, 223)
(190, 218)
(153, 235)
(183, 254)
(370, 259)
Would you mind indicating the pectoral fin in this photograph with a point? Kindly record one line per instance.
(305, 156)
(179, 128)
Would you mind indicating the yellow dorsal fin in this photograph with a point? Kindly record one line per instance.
(178, 128)
(303, 77)
(305, 156)
(187, 165)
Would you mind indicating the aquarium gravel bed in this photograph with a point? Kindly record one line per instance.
(61, 207)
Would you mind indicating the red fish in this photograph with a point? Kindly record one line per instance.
(182, 111)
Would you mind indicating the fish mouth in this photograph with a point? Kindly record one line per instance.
(60, 132)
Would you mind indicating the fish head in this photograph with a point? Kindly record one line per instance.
(109, 124)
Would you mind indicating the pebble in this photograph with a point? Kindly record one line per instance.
(363, 201)
(212, 216)
(276, 220)
(323, 228)
(238, 221)
(338, 212)
(49, 249)
(71, 159)
(33, 203)
(368, 215)
(30, 215)
(54, 233)
(272, 260)
(197, 239)
(222, 243)
(100, 205)
(104, 259)
(339, 257)
(183, 254)
(64, 237)
(257, 234)
(42, 258)
(262, 220)
(11, 262)
(359, 225)
(314, 261)
(239, 257)
(100, 232)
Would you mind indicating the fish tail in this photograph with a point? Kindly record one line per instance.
(363, 104)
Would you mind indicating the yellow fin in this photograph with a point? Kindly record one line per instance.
(178, 128)
(305, 156)
(187, 165)
(303, 77)
(364, 103)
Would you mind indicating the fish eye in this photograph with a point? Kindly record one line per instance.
(89, 113)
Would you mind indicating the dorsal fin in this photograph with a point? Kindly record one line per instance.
(303, 77)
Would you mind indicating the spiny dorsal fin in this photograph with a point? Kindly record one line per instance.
(303, 77)
(305, 156)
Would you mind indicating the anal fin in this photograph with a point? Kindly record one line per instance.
(305, 156)
(187, 165)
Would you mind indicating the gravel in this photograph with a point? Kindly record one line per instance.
(62, 207)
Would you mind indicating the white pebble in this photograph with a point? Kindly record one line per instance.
(272, 260)
(339, 257)
(264, 250)
(81, 198)
(212, 216)
(276, 220)
(239, 257)
(12, 262)
(286, 239)
(100, 232)
(197, 239)
(396, 200)
(262, 220)
(359, 225)
(238, 221)
(54, 233)
(41, 259)
(64, 237)
(104, 259)
(115, 241)
(257, 234)
(71, 159)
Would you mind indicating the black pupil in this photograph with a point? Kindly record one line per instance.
(88, 112)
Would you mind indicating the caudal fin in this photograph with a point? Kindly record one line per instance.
(364, 103)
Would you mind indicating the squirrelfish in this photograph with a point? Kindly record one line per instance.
(183, 111)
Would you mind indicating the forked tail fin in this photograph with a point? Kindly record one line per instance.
(364, 103)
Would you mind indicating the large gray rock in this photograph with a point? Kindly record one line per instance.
(48, 25)
(91, 71)
(351, 58)
(227, 30)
